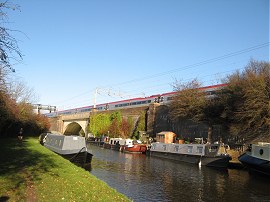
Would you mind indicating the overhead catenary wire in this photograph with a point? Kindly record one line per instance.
(176, 70)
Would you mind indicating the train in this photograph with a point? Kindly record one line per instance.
(164, 98)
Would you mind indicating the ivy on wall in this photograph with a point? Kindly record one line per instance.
(114, 125)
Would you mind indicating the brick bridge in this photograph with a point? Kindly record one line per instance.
(156, 120)
(77, 124)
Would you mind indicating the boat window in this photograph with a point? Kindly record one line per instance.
(190, 148)
(199, 150)
(176, 148)
(213, 148)
(164, 147)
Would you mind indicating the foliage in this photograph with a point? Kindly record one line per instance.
(112, 124)
(15, 112)
(243, 105)
(99, 124)
(192, 102)
(188, 102)
(139, 126)
(116, 120)
(247, 101)
(125, 128)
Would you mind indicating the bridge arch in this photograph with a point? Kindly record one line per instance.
(74, 128)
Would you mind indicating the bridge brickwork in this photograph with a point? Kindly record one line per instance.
(156, 117)
(77, 124)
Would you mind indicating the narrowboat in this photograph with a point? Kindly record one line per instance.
(257, 158)
(113, 143)
(72, 148)
(211, 155)
(134, 146)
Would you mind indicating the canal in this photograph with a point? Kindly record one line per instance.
(144, 178)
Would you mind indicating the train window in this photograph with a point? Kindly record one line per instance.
(85, 110)
(169, 98)
(133, 103)
(143, 102)
(149, 101)
(115, 105)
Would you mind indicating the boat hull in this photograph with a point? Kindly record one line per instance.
(136, 148)
(79, 158)
(219, 161)
(72, 148)
(255, 164)
(115, 147)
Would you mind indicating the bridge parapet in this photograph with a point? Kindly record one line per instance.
(79, 116)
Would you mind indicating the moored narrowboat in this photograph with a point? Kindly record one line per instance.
(134, 146)
(72, 148)
(257, 158)
(210, 155)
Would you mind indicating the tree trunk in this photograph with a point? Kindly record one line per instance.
(210, 134)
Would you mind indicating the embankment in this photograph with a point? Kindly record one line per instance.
(31, 172)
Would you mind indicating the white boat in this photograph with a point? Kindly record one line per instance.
(114, 143)
(257, 158)
(72, 148)
(202, 154)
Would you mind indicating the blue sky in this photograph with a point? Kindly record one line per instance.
(133, 47)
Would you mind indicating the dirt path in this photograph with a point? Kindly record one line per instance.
(30, 188)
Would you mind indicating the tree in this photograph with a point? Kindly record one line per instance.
(20, 92)
(192, 102)
(247, 101)
(99, 124)
(9, 49)
(15, 110)
(125, 128)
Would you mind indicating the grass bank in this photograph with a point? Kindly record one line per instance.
(30, 172)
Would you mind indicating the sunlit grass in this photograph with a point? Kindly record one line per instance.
(29, 168)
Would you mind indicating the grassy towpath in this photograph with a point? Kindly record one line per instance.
(30, 172)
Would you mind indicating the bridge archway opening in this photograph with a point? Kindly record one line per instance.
(74, 129)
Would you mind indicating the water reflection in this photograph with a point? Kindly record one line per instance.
(144, 178)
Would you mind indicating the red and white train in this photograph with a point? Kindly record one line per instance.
(164, 98)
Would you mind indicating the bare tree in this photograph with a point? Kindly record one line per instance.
(247, 99)
(191, 102)
(20, 92)
(9, 49)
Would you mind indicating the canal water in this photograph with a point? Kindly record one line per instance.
(144, 178)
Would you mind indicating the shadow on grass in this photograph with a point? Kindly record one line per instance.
(17, 157)
(4, 198)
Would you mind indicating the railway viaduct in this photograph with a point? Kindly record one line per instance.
(77, 124)
(156, 120)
